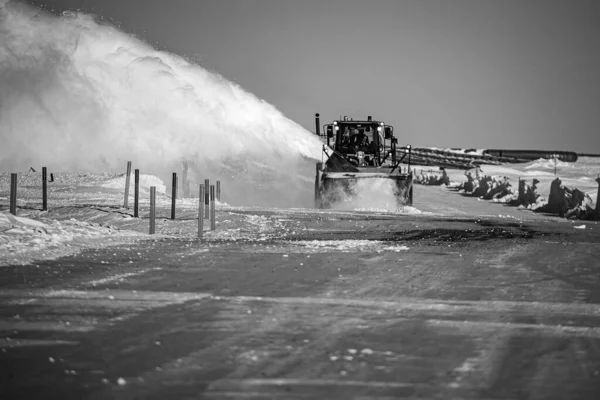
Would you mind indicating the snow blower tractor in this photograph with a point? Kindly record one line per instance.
(359, 153)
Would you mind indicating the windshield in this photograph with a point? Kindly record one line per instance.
(362, 137)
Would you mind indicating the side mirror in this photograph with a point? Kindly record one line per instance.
(329, 131)
(389, 132)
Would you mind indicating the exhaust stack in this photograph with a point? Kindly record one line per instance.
(317, 125)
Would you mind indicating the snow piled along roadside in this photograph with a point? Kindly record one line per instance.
(23, 239)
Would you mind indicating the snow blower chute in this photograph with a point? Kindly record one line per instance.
(357, 151)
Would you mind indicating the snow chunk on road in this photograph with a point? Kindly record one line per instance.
(400, 210)
(350, 245)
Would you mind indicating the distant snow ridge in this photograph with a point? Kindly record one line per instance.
(544, 164)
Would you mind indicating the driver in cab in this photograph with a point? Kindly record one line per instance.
(360, 141)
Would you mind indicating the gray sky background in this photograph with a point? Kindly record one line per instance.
(446, 73)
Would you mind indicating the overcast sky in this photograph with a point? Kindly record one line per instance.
(455, 73)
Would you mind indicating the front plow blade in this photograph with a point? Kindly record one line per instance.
(363, 189)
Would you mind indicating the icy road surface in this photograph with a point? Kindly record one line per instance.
(455, 298)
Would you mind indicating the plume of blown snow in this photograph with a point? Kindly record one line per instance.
(81, 95)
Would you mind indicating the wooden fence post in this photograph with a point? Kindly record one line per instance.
(136, 194)
(201, 211)
(207, 197)
(317, 199)
(521, 192)
(152, 209)
(13, 194)
(597, 210)
(127, 181)
(44, 189)
(213, 225)
(173, 195)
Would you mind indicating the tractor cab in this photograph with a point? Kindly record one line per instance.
(362, 143)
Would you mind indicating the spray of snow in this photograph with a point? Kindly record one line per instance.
(80, 95)
(376, 194)
(146, 181)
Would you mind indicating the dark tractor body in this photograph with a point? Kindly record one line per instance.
(356, 150)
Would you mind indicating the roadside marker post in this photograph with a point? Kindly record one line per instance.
(218, 191)
(173, 195)
(212, 208)
(127, 181)
(521, 188)
(44, 189)
(13, 194)
(201, 211)
(136, 194)
(207, 197)
(152, 209)
(317, 194)
(597, 210)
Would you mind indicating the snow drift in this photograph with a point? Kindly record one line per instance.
(567, 202)
(431, 178)
(23, 238)
(486, 187)
(82, 95)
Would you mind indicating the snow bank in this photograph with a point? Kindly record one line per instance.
(568, 202)
(497, 188)
(528, 196)
(432, 178)
(19, 235)
(562, 200)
